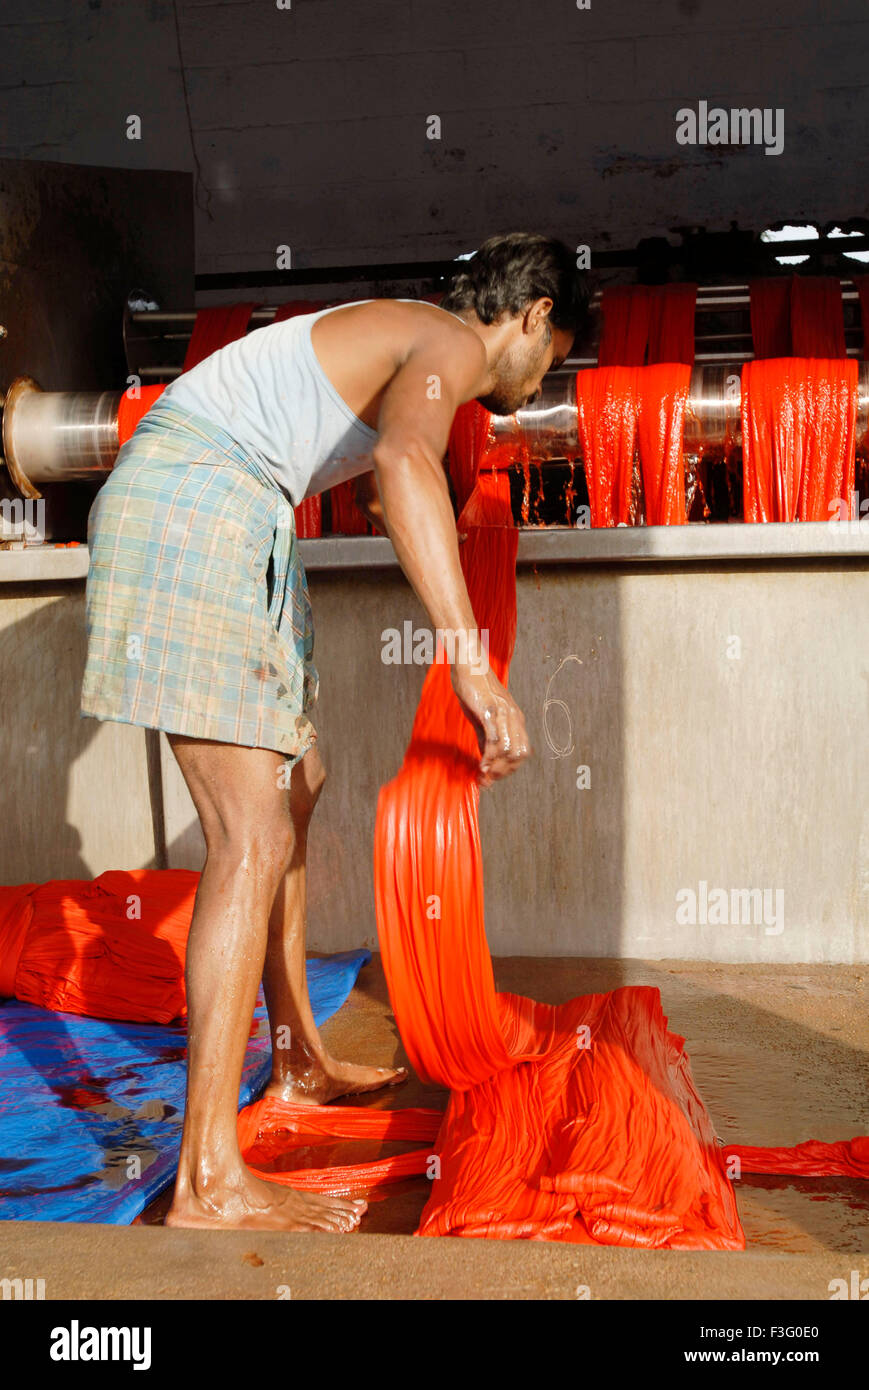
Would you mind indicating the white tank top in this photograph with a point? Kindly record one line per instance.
(269, 392)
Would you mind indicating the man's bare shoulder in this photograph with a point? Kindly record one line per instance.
(413, 325)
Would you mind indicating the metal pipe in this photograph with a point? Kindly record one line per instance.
(51, 436)
(548, 428)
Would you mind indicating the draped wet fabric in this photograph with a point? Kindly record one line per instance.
(797, 315)
(798, 438)
(112, 947)
(607, 406)
(577, 1123)
(647, 324)
(663, 398)
(770, 310)
(347, 519)
(626, 410)
(862, 283)
(214, 328)
(817, 318)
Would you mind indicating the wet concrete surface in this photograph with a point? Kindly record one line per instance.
(779, 1055)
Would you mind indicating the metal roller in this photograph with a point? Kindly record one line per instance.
(548, 428)
(60, 436)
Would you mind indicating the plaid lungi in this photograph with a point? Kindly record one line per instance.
(198, 616)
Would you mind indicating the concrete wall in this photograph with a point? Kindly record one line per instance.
(721, 711)
(309, 122)
(74, 793)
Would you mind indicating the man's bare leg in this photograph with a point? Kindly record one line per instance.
(250, 840)
(302, 1069)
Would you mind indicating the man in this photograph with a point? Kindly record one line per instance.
(199, 624)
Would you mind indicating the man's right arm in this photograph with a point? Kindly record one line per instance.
(416, 414)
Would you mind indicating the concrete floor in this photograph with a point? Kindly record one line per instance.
(779, 1055)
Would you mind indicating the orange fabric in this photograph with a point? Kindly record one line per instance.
(647, 323)
(671, 329)
(130, 412)
(862, 283)
(770, 301)
(575, 1123)
(214, 328)
(110, 948)
(347, 520)
(608, 406)
(664, 396)
(797, 315)
(622, 410)
(625, 314)
(798, 437)
(16, 915)
(817, 317)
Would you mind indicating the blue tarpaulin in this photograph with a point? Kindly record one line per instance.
(91, 1111)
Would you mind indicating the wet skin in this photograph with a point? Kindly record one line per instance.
(249, 924)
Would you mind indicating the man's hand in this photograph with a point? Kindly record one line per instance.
(497, 719)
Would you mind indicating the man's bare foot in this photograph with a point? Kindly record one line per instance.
(250, 1203)
(318, 1082)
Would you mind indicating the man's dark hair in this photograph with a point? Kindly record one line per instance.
(509, 272)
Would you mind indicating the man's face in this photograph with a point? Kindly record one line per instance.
(523, 366)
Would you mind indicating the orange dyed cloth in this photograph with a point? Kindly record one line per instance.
(214, 328)
(621, 410)
(647, 323)
(663, 398)
(798, 438)
(130, 411)
(607, 406)
(817, 317)
(797, 315)
(347, 520)
(575, 1123)
(113, 947)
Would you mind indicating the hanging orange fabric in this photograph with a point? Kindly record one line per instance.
(798, 438)
(622, 410)
(647, 323)
(347, 519)
(671, 327)
(608, 406)
(817, 317)
(797, 315)
(770, 301)
(661, 422)
(862, 283)
(625, 314)
(214, 328)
